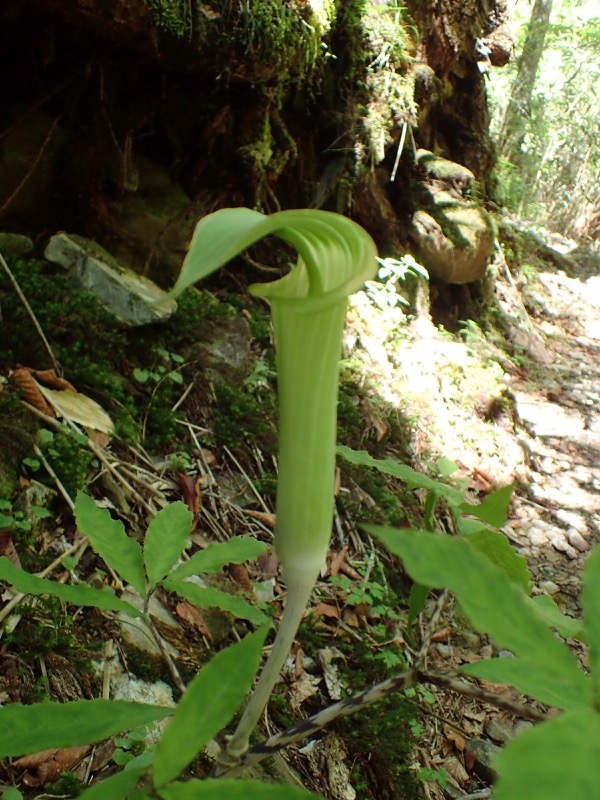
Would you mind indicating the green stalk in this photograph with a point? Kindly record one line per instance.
(308, 306)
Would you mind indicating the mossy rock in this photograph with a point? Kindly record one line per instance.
(18, 430)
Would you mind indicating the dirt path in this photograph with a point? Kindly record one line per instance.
(558, 519)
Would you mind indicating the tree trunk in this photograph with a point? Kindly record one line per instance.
(519, 106)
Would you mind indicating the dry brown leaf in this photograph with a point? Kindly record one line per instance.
(78, 408)
(30, 391)
(327, 610)
(49, 378)
(188, 613)
(456, 738)
(102, 755)
(239, 573)
(302, 689)
(266, 517)
(456, 770)
(190, 488)
(46, 765)
(7, 548)
(268, 564)
(337, 561)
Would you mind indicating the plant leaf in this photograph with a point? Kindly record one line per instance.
(320, 238)
(79, 595)
(493, 509)
(494, 546)
(546, 609)
(28, 729)
(411, 477)
(209, 703)
(165, 540)
(493, 603)
(108, 538)
(117, 787)
(235, 551)
(213, 598)
(547, 682)
(559, 759)
(591, 615)
(213, 789)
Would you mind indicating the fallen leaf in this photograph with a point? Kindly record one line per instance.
(265, 517)
(49, 378)
(190, 488)
(31, 392)
(46, 765)
(268, 564)
(337, 561)
(103, 753)
(239, 573)
(327, 610)
(455, 769)
(302, 689)
(7, 548)
(79, 408)
(189, 613)
(456, 738)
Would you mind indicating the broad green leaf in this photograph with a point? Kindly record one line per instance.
(494, 604)
(117, 787)
(213, 598)
(416, 600)
(546, 609)
(493, 509)
(79, 595)
(557, 760)
(235, 551)
(27, 729)
(213, 789)
(591, 615)
(108, 538)
(546, 681)
(410, 476)
(209, 703)
(165, 540)
(494, 546)
(336, 255)
(12, 794)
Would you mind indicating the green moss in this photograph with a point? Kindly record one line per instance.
(171, 16)
(239, 417)
(17, 434)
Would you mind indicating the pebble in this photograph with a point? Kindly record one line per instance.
(549, 587)
(538, 536)
(498, 731)
(563, 546)
(577, 540)
(484, 753)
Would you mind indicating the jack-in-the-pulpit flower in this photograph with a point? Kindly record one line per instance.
(308, 306)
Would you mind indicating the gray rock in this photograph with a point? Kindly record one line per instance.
(133, 299)
(498, 731)
(484, 753)
(14, 244)
(577, 540)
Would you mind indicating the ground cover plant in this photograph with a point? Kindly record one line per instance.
(476, 565)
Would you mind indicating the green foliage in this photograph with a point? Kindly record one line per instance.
(172, 16)
(28, 729)
(186, 734)
(238, 416)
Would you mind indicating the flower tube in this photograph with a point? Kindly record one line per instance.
(308, 306)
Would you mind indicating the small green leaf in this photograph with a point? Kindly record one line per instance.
(213, 789)
(493, 603)
(80, 595)
(591, 615)
(546, 609)
(493, 509)
(209, 703)
(213, 598)
(496, 548)
(141, 375)
(410, 476)
(108, 538)
(551, 683)
(165, 540)
(235, 551)
(117, 787)
(12, 794)
(557, 760)
(416, 600)
(27, 729)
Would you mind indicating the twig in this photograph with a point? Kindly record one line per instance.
(34, 319)
(178, 680)
(54, 476)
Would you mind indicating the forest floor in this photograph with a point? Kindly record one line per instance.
(533, 421)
